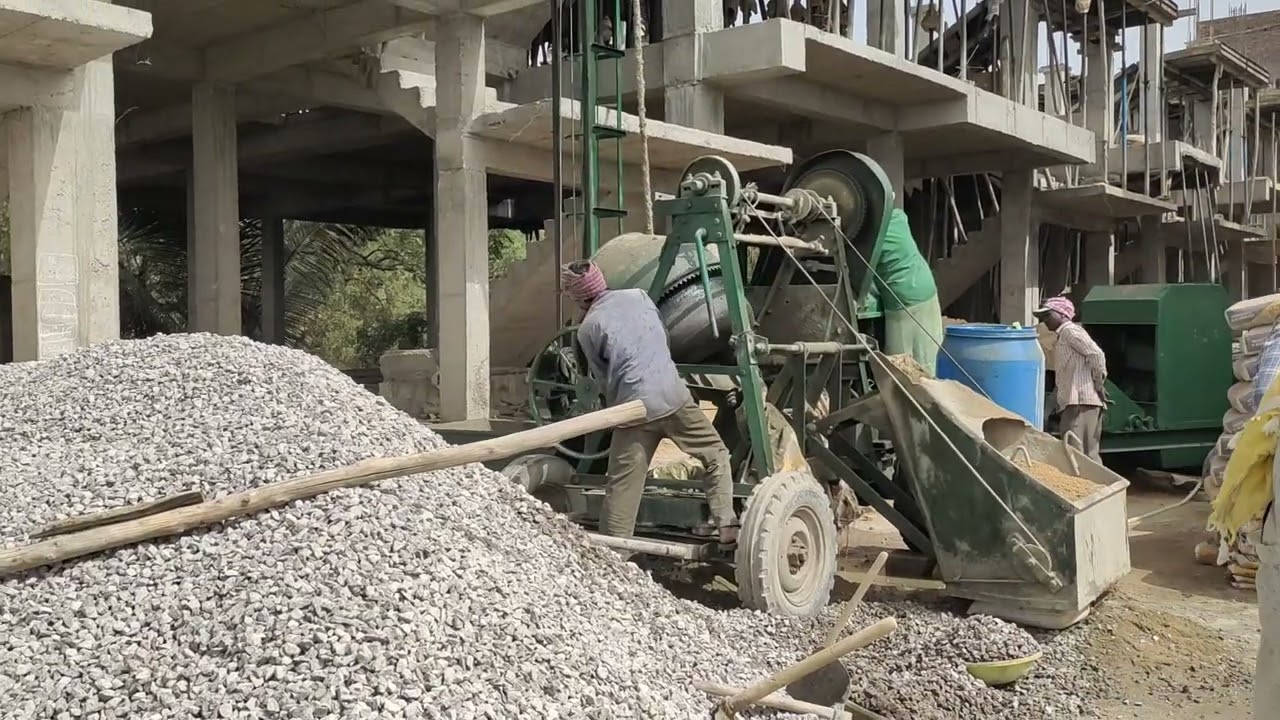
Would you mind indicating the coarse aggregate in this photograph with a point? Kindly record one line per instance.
(450, 595)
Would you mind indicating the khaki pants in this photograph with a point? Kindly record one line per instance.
(632, 450)
(1266, 681)
(1085, 422)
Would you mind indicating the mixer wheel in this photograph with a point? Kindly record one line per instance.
(544, 477)
(786, 555)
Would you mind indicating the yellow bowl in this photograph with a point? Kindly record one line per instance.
(1003, 672)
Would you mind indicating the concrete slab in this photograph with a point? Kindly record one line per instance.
(1199, 63)
(1176, 232)
(65, 34)
(780, 48)
(1103, 200)
(671, 147)
(1178, 157)
(1257, 194)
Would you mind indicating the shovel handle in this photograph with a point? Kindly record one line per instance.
(777, 702)
(791, 673)
(852, 604)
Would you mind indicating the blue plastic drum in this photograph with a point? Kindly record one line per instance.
(1002, 362)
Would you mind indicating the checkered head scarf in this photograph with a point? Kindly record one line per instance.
(583, 282)
(1060, 305)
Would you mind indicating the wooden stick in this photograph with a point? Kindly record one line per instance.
(778, 702)
(790, 674)
(856, 600)
(174, 522)
(118, 514)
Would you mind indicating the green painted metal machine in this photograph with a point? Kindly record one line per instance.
(769, 305)
(1169, 365)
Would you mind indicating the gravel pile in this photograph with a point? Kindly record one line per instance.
(447, 595)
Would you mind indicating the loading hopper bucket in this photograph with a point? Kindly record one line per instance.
(1030, 528)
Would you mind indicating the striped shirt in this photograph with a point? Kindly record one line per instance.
(1079, 367)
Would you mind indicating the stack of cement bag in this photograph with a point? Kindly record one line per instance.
(1251, 320)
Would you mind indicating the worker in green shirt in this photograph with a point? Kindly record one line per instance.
(908, 296)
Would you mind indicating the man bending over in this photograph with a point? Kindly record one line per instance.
(625, 344)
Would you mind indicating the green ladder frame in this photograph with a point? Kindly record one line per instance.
(590, 57)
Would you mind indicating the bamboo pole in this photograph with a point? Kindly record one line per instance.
(175, 522)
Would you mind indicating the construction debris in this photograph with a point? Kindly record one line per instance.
(453, 589)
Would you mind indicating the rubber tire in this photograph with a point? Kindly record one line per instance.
(757, 570)
(544, 477)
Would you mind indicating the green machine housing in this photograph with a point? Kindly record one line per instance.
(1168, 352)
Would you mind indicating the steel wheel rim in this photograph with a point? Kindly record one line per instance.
(799, 552)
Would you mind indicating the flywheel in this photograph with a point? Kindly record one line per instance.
(786, 556)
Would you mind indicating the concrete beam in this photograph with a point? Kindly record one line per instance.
(321, 34)
(288, 140)
(481, 8)
(811, 100)
(418, 54)
(166, 123)
(214, 213)
(31, 87)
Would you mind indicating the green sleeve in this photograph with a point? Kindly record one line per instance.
(903, 275)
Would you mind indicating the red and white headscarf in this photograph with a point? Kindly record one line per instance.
(583, 281)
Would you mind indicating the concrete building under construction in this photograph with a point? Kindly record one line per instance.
(1117, 162)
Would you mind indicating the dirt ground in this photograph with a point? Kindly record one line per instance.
(1175, 640)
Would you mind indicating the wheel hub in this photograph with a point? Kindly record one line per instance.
(799, 572)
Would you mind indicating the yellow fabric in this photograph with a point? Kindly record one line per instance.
(1248, 486)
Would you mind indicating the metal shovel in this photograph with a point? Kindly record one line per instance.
(830, 685)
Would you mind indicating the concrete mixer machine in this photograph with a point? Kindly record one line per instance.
(772, 316)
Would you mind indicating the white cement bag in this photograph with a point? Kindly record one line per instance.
(1252, 342)
(1233, 421)
(1245, 367)
(1241, 397)
(1254, 313)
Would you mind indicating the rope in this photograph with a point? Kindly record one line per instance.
(637, 33)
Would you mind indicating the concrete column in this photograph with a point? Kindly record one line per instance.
(62, 214)
(1203, 135)
(1019, 250)
(887, 149)
(688, 101)
(462, 222)
(214, 283)
(42, 205)
(1057, 273)
(1237, 130)
(1155, 259)
(1150, 74)
(1235, 271)
(1099, 260)
(273, 255)
(1055, 101)
(1020, 31)
(886, 26)
(1099, 88)
(97, 224)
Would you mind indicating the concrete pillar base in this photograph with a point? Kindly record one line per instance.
(1019, 250)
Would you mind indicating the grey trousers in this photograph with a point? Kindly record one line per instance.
(1085, 422)
(632, 450)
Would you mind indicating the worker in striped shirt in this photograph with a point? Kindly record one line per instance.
(1080, 369)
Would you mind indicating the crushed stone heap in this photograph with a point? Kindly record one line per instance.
(452, 594)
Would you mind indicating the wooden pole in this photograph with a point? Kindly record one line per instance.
(856, 600)
(790, 674)
(118, 514)
(777, 702)
(175, 522)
